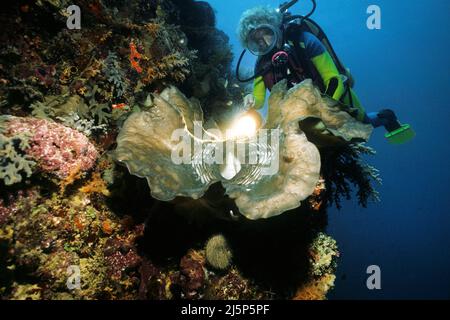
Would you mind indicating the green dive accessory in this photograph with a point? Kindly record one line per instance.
(401, 135)
(397, 133)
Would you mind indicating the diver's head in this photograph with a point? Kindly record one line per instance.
(260, 30)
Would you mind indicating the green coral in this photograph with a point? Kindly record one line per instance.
(218, 253)
(114, 74)
(14, 163)
(55, 107)
(85, 126)
(95, 278)
(91, 212)
(42, 110)
(98, 111)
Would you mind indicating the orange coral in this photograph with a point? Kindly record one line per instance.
(78, 224)
(74, 174)
(107, 227)
(120, 106)
(135, 56)
(316, 200)
(96, 185)
(316, 289)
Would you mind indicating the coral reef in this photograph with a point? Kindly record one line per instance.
(173, 66)
(38, 243)
(114, 74)
(86, 127)
(66, 94)
(323, 255)
(323, 252)
(192, 274)
(72, 102)
(95, 66)
(96, 185)
(57, 149)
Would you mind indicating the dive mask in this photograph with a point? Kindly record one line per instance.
(262, 39)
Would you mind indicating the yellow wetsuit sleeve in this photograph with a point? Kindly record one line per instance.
(330, 75)
(259, 92)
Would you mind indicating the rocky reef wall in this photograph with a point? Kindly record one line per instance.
(75, 224)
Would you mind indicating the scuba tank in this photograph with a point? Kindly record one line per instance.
(306, 24)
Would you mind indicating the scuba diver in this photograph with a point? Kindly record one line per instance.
(296, 51)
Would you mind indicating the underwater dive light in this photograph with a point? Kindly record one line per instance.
(246, 125)
(243, 127)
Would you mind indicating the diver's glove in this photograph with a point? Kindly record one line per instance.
(250, 106)
(389, 120)
(396, 132)
(249, 101)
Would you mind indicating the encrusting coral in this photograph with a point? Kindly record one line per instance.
(316, 289)
(57, 149)
(96, 185)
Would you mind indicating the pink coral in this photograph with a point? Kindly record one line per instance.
(57, 149)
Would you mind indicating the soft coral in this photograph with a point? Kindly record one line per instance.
(135, 56)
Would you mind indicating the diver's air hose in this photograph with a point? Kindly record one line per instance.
(239, 66)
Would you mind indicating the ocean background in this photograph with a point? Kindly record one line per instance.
(404, 66)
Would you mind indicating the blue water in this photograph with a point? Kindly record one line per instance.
(404, 66)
